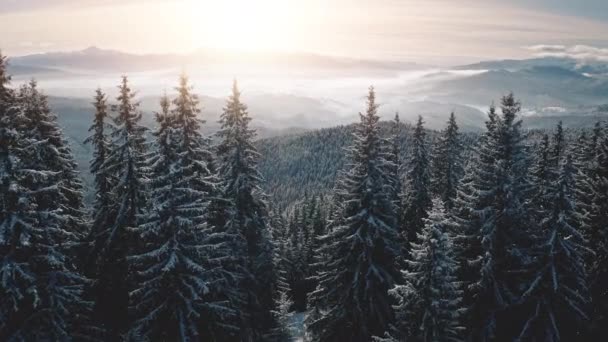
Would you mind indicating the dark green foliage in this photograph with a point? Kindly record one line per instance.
(126, 162)
(492, 220)
(559, 289)
(447, 163)
(41, 220)
(417, 198)
(429, 303)
(247, 215)
(361, 248)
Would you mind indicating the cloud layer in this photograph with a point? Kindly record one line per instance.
(582, 53)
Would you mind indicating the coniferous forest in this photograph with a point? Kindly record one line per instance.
(408, 234)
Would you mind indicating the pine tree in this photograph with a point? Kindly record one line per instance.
(493, 226)
(583, 161)
(418, 196)
(395, 162)
(559, 289)
(284, 329)
(100, 141)
(429, 304)
(542, 176)
(598, 212)
(55, 156)
(40, 289)
(126, 161)
(447, 163)
(177, 266)
(247, 213)
(559, 145)
(352, 301)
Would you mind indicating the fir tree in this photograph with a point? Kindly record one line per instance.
(447, 163)
(429, 304)
(126, 161)
(395, 162)
(177, 266)
(418, 196)
(493, 224)
(284, 328)
(559, 145)
(103, 202)
(583, 161)
(55, 156)
(596, 227)
(40, 290)
(247, 213)
(542, 176)
(559, 289)
(352, 301)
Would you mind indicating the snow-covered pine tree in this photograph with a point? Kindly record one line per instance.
(316, 228)
(247, 213)
(103, 203)
(126, 161)
(447, 167)
(596, 137)
(429, 303)
(395, 163)
(493, 226)
(559, 290)
(296, 254)
(55, 156)
(542, 175)
(177, 265)
(596, 221)
(284, 329)
(559, 146)
(221, 322)
(352, 301)
(417, 199)
(40, 290)
(583, 161)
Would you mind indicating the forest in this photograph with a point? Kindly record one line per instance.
(375, 231)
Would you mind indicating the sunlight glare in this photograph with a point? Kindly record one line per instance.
(244, 25)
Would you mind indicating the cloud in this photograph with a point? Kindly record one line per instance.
(547, 48)
(581, 53)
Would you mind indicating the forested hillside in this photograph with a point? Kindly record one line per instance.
(375, 231)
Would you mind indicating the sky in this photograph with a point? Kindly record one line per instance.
(424, 31)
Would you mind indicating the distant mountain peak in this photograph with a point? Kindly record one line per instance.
(92, 49)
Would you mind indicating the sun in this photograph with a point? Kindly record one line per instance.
(243, 25)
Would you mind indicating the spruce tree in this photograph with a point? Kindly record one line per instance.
(598, 234)
(559, 289)
(247, 214)
(40, 289)
(542, 176)
(126, 161)
(559, 145)
(284, 329)
(55, 156)
(447, 163)
(492, 221)
(418, 194)
(103, 202)
(583, 161)
(352, 301)
(429, 303)
(177, 266)
(395, 162)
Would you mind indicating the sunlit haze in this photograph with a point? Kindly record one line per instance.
(435, 31)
